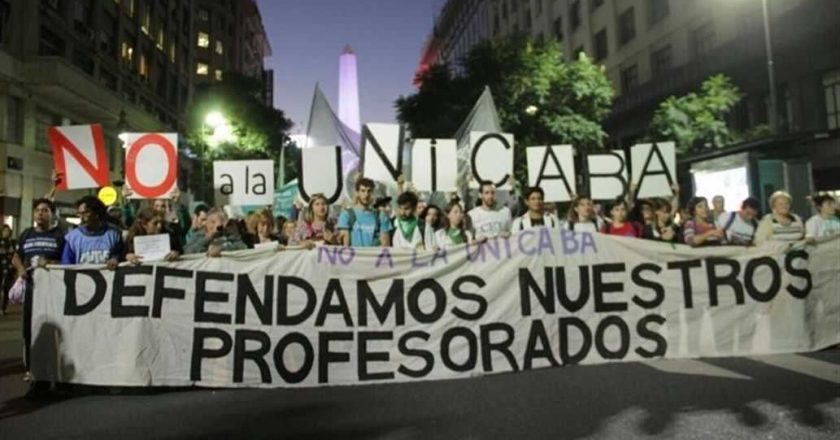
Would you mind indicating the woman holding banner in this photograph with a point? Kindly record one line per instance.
(149, 222)
(581, 216)
(315, 226)
(781, 224)
(455, 231)
(620, 225)
(699, 231)
(260, 227)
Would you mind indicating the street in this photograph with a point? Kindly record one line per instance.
(782, 396)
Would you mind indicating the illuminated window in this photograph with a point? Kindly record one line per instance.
(159, 39)
(219, 47)
(172, 50)
(144, 66)
(147, 19)
(218, 75)
(201, 69)
(203, 40)
(126, 51)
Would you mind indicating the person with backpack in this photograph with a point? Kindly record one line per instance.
(620, 225)
(360, 225)
(581, 216)
(739, 226)
(535, 216)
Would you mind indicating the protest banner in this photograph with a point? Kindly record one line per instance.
(151, 164)
(344, 316)
(382, 153)
(79, 155)
(245, 182)
(654, 169)
(491, 158)
(434, 165)
(552, 168)
(607, 175)
(320, 173)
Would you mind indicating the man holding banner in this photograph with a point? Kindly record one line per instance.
(95, 241)
(361, 226)
(487, 220)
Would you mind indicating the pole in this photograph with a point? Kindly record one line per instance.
(281, 173)
(774, 124)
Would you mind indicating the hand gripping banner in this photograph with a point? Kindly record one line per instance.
(343, 316)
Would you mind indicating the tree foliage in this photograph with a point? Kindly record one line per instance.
(259, 131)
(540, 98)
(697, 120)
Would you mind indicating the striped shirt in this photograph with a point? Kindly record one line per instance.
(771, 229)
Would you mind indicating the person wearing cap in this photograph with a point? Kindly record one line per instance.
(739, 226)
(780, 224)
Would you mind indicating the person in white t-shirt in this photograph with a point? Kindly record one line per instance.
(739, 226)
(487, 220)
(825, 221)
(407, 233)
(535, 217)
(581, 216)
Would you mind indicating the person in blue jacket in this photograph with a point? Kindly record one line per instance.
(95, 241)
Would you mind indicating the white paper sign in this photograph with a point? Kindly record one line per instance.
(434, 165)
(152, 247)
(654, 169)
(321, 173)
(552, 169)
(607, 175)
(245, 182)
(79, 155)
(382, 151)
(491, 158)
(267, 245)
(151, 164)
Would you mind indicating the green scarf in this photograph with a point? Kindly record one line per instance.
(455, 236)
(407, 228)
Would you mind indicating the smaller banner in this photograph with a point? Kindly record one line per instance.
(245, 182)
(491, 158)
(79, 155)
(151, 164)
(434, 165)
(607, 175)
(654, 169)
(552, 168)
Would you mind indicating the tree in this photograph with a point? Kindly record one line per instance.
(697, 120)
(252, 129)
(540, 98)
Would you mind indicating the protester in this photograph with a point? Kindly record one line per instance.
(315, 226)
(662, 228)
(487, 220)
(150, 222)
(620, 224)
(95, 241)
(739, 226)
(197, 220)
(406, 233)
(718, 207)
(383, 205)
(37, 246)
(825, 222)
(581, 216)
(535, 216)
(359, 225)
(217, 236)
(7, 269)
(698, 230)
(115, 216)
(431, 221)
(288, 231)
(260, 227)
(455, 230)
(780, 224)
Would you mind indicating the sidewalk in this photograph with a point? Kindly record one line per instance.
(11, 363)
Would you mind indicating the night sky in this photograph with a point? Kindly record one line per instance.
(307, 37)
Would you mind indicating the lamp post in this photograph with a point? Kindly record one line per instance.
(768, 47)
(215, 121)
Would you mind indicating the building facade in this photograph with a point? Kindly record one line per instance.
(230, 37)
(653, 49)
(125, 64)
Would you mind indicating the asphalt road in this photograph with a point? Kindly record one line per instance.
(773, 397)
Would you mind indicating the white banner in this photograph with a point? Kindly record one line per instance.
(343, 316)
(552, 168)
(434, 165)
(245, 182)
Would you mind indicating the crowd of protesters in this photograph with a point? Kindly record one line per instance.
(107, 235)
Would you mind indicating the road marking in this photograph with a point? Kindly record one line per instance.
(803, 365)
(692, 366)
